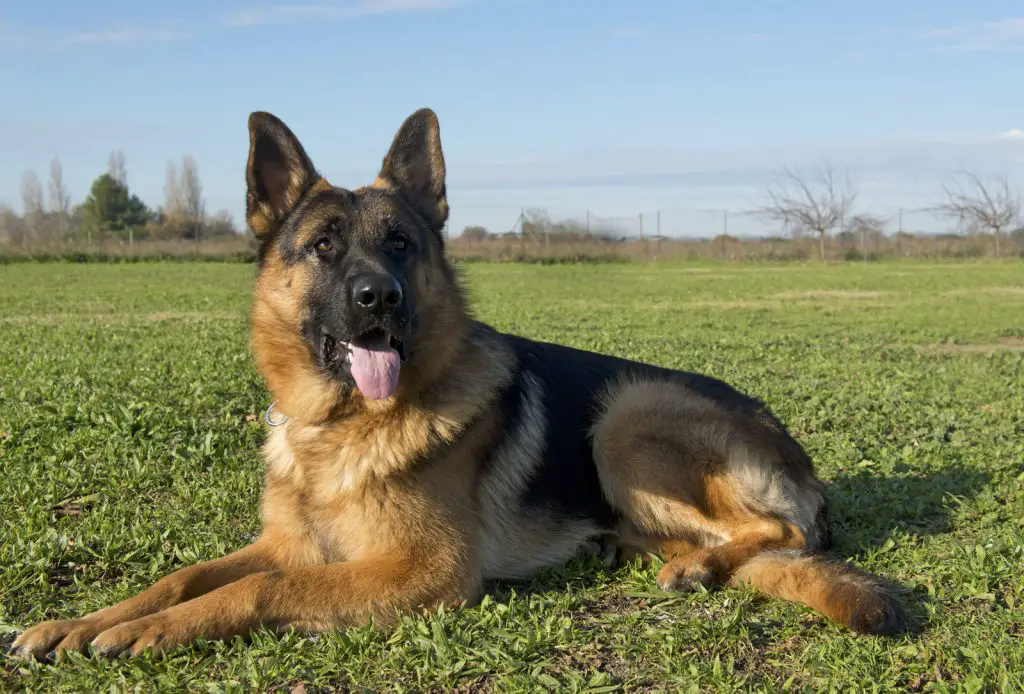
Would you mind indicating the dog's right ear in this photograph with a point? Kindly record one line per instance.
(277, 175)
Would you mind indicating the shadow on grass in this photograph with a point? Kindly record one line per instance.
(865, 510)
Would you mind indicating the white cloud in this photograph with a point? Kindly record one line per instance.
(624, 32)
(760, 38)
(128, 33)
(919, 160)
(1002, 36)
(125, 33)
(943, 33)
(16, 36)
(288, 13)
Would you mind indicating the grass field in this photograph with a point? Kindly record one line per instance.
(129, 445)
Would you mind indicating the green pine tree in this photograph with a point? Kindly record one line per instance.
(111, 208)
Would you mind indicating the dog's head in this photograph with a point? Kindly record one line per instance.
(354, 295)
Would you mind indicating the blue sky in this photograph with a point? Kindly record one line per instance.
(618, 107)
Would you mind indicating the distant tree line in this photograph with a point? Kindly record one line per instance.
(822, 202)
(110, 212)
(817, 212)
(818, 206)
(536, 226)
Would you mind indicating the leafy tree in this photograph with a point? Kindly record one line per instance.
(475, 233)
(110, 206)
(12, 227)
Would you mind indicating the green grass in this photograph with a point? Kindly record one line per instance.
(129, 447)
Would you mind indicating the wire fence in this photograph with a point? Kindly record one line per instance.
(534, 233)
(680, 222)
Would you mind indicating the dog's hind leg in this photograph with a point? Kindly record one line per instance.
(724, 496)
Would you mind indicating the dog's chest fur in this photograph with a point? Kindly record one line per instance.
(355, 495)
(349, 494)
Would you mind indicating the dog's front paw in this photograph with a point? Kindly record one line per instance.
(49, 638)
(684, 575)
(157, 633)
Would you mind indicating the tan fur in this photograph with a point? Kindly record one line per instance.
(352, 527)
(372, 508)
(865, 603)
(649, 463)
(682, 471)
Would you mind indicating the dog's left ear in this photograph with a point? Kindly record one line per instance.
(415, 166)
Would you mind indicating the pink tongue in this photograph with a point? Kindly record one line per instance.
(375, 367)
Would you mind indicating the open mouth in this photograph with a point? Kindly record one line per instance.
(332, 355)
(374, 359)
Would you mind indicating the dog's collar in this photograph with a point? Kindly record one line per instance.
(267, 417)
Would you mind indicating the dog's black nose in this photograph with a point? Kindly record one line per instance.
(376, 293)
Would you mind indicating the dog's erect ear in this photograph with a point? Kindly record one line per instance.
(415, 166)
(278, 173)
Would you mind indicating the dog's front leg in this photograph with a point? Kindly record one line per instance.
(180, 586)
(311, 598)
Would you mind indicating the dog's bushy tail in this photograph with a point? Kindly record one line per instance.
(865, 603)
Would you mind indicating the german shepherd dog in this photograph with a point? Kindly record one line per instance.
(418, 452)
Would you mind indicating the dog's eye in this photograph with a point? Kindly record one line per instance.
(323, 245)
(398, 244)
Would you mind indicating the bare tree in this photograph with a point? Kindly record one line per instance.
(817, 204)
(193, 204)
(976, 205)
(60, 198)
(172, 195)
(115, 167)
(32, 205)
(221, 224)
(866, 225)
(535, 224)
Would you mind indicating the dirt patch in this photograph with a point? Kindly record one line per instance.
(1007, 344)
(599, 305)
(830, 294)
(994, 291)
(738, 303)
(192, 316)
(56, 319)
